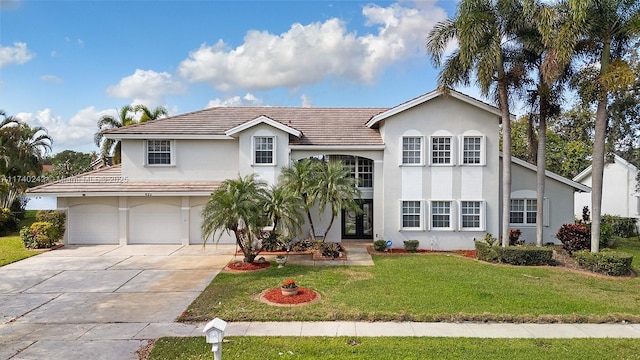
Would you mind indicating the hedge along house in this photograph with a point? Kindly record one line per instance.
(429, 170)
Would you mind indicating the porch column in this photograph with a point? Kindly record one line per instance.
(378, 200)
(123, 220)
(62, 204)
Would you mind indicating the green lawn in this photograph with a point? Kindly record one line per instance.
(432, 287)
(632, 246)
(11, 247)
(397, 348)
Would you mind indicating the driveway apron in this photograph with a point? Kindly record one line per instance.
(101, 301)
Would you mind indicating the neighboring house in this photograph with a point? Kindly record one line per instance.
(619, 195)
(429, 170)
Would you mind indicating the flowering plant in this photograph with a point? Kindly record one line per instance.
(289, 284)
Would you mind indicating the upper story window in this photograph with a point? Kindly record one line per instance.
(359, 168)
(472, 150)
(412, 150)
(441, 215)
(523, 211)
(264, 150)
(441, 150)
(158, 152)
(411, 215)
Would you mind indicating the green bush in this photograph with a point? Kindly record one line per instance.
(380, 245)
(525, 255)
(57, 219)
(608, 262)
(574, 237)
(38, 236)
(411, 245)
(486, 252)
(621, 226)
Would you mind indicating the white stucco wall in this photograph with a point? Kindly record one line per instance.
(618, 192)
(440, 116)
(206, 160)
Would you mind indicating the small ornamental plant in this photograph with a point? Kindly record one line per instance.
(289, 284)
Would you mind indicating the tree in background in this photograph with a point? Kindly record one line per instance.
(69, 163)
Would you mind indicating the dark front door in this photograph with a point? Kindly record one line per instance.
(358, 226)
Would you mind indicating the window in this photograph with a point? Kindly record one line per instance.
(159, 152)
(470, 214)
(263, 150)
(411, 215)
(523, 211)
(412, 150)
(441, 150)
(441, 214)
(472, 150)
(359, 168)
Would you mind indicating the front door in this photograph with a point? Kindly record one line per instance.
(358, 226)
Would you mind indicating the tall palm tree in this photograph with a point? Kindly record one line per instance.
(283, 206)
(484, 30)
(237, 206)
(108, 122)
(603, 30)
(337, 189)
(300, 178)
(148, 115)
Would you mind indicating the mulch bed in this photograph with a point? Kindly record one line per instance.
(304, 297)
(241, 266)
(466, 253)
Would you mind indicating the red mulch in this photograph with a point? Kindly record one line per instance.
(304, 296)
(243, 266)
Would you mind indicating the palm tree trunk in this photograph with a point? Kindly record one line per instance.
(328, 228)
(541, 165)
(313, 228)
(506, 151)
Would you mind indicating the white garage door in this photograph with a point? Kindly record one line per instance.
(154, 223)
(93, 224)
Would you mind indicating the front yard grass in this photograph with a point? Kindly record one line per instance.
(432, 287)
(11, 247)
(396, 348)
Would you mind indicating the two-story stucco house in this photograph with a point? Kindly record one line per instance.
(429, 170)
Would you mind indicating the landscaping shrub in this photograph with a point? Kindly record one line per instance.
(608, 262)
(57, 219)
(331, 249)
(486, 252)
(621, 226)
(514, 237)
(524, 255)
(411, 245)
(380, 245)
(38, 236)
(574, 237)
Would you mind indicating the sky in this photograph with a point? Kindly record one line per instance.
(65, 64)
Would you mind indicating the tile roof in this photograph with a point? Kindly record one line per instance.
(109, 181)
(319, 126)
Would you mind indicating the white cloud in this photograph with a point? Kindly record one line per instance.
(76, 133)
(51, 78)
(306, 101)
(146, 87)
(248, 100)
(307, 54)
(16, 54)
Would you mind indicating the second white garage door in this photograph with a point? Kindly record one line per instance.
(153, 221)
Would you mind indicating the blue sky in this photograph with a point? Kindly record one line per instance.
(64, 64)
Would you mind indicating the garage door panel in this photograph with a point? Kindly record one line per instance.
(93, 224)
(155, 224)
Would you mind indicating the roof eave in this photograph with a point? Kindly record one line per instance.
(549, 174)
(263, 120)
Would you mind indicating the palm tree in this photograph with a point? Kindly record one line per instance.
(237, 206)
(283, 206)
(484, 30)
(336, 188)
(300, 178)
(108, 122)
(603, 30)
(148, 115)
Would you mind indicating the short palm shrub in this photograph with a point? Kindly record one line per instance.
(608, 262)
(411, 245)
(574, 237)
(380, 245)
(331, 249)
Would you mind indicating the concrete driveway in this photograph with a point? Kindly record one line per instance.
(103, 301)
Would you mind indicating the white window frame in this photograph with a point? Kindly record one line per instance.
(421, 150)
(420, 214)
(451, 215)
(172, 153)
(482, 159)
(254, 150)
(452, 151)
(481, 215)
(525, 212)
